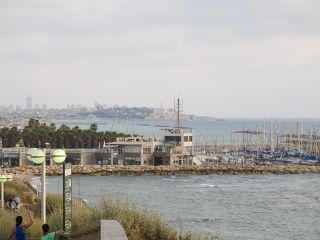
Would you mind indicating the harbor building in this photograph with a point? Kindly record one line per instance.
(176, 148)
(178, 142)
(131, 151)
(11, 157)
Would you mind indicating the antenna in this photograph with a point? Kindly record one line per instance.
(178, 107)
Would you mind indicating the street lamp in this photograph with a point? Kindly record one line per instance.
(3, 178)
(38, 156)
(9, 178)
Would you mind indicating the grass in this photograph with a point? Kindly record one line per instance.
(14, 189)
(138, 224)
(7, 219)
(54, 204)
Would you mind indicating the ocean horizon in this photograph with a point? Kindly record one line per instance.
(205, 132)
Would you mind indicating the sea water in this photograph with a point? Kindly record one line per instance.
(205, 132)
(226, 206)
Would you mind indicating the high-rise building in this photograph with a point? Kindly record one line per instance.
(29, 103)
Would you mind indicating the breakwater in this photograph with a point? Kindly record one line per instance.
(106, 170)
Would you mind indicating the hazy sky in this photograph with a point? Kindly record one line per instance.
(225, 58)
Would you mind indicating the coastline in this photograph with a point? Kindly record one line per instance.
(133, 170)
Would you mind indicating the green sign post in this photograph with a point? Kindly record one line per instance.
(67, 197)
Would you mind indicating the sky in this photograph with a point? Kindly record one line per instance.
(231, 58)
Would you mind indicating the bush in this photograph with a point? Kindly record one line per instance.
(54, 204)
(8, 219)
(13, 189)
(137, 224)
(28, 198)
(81, 218)
(10, 193)
(20, 189)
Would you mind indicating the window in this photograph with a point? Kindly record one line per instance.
(132, 161)
(190, 138)
(120, 150)
(132, 149)
(176, 139)
(158, 149)
(186, 138)
(147, 150)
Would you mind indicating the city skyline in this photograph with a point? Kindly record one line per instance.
(224, 59)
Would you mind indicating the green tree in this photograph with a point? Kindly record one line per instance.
(14, 137)
(4, 133)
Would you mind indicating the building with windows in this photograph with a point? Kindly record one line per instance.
(29, 103)
(176, 148)
(178, 145)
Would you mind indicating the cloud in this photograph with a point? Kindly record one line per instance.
(142, 52)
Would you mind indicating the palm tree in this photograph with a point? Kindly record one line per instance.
(62, 135)
(87, 138)
(76, 136)
(94, 127)
(4, 133)
(14, 136)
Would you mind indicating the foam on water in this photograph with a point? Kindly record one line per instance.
(176, 180)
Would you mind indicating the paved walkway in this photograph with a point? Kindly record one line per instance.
(112, 230)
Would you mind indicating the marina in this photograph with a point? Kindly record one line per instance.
(261, 147)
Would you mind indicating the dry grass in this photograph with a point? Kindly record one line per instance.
(7, 219)
(138, 224)
(13, 189)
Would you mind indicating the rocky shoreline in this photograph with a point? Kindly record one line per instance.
(107, 170)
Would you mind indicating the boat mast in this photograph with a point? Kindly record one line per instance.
(178, 105)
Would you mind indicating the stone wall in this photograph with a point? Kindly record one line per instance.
(97, 170)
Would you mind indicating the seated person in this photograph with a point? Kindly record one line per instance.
(47, 235)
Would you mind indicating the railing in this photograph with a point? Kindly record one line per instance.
(79, 201)
(25, 183)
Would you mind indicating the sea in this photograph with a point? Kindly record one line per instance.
(205, 132)
(227, 207)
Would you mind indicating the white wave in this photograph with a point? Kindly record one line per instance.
(196, 186)
(208, 185)
(176, 180)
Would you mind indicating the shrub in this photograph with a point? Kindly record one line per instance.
(10, 193)
(54, 204)
(81, 218)
(7, 219)
(13, 189)
(28, 198)
(137, 224)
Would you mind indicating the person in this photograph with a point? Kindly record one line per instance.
(11, 204)
(19, 229)
(17, 202)
(47, 235)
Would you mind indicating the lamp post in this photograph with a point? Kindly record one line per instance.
(38, 156)
(3, 178)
